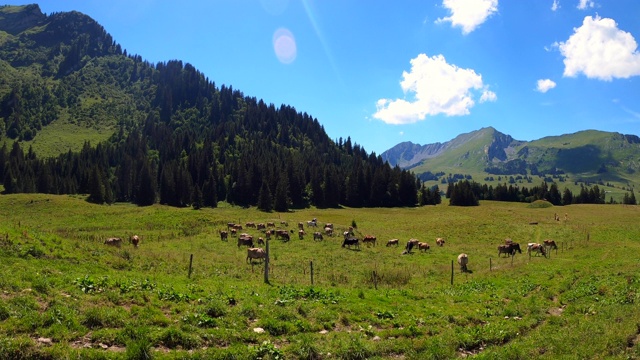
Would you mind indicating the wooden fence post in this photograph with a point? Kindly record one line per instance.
(489, 264)
(190, 265)
(451, 272)
(375, 280)
(311, 265)
(266, 263)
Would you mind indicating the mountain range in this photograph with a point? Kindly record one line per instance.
(584, 156)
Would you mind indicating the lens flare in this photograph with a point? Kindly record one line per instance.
(284, 45)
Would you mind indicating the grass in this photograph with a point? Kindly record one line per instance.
(64, 294)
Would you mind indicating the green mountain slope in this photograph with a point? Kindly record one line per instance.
(585, 156)
(80, 115)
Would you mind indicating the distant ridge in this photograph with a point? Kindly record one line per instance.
(589, 155)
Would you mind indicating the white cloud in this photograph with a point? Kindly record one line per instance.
(545, 85)
(556, 5)
(584, 4)
(437, 88)
(468, 14)
(600, 50)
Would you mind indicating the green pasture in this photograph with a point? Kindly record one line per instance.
(64, 294)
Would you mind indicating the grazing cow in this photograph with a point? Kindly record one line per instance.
(256, 253)
(300, 226)
(245, 241)
(250, 224)
(224, 235)
(351, 241)
(301, 234)
(268, 233)
(328, 231)
(508, 241)
(135, 240)
(271, 224)
(537, 249)
(115, 241)
(260, 241)
(317, 236)
(312, 223)
(346, 234)
(369, 239)
(237, 227)
(285, 236)
(411, 244)
(230, 225)
(395, 242)
(509, 249)
(284, 223)
(440, 241)
(423, 246)
(550, 244)
(463, 260)
(234, 232)
(261, 226)
(329, 225)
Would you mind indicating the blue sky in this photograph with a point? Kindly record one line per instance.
(384, 72)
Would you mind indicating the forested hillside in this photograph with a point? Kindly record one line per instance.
(172, 135)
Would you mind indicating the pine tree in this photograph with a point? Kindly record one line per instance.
(281, 200)
(96, 186)
(146, 187)
(198, 199)
(265, 200)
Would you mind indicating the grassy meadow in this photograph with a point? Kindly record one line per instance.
(64, 294)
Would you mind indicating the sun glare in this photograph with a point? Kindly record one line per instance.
(284, 45)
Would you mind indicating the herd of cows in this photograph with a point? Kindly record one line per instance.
(509, 248)
(349, 241)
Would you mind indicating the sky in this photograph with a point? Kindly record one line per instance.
(384, 72)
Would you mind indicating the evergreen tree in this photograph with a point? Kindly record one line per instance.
(282, 200)
(198, 199)
(265, 201)
(567, 197)
(146, 187)
(97, 190)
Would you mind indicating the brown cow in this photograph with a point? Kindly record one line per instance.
(328, 231)
(271, 224)
(412, 243)
(117, 242)
(300, 226)
(317, 235)
(256, 253)
(440, 241)
(369, 239)
(260, 241)
(224, 235)
(250, 224)
(550, 244)
(245, 240)
(261, 226)
(537, 248)
(301, 234)
(463, 260)
(135, 240)
(423, 246)
(395, 242)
